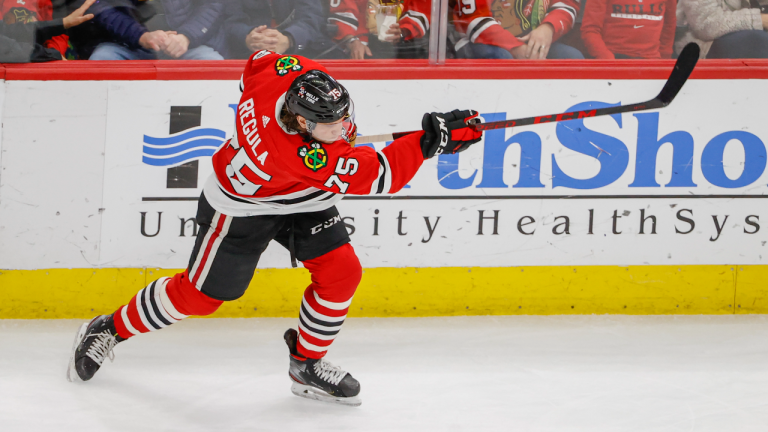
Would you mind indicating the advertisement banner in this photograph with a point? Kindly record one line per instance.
(681, 185)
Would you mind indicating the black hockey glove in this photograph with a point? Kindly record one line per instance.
(448, 132)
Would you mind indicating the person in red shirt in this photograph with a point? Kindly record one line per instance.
(279, 178)
(521, 29)
(350, 17)
(625, 29)
(28, 11)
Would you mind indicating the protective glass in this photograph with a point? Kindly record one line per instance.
(341, 129)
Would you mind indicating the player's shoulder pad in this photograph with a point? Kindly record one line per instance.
(283, 65)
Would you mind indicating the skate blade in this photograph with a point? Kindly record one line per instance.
(72, 375)
(309, 392)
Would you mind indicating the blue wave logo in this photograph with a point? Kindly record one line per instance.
(182, 147)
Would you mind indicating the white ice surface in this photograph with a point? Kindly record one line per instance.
(575, 373)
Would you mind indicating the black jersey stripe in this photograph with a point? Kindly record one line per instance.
(380, 188)
(349, 20)
(292, 201)
(330, 195)
(479, 27)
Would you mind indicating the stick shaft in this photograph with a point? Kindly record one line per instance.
(682, 70)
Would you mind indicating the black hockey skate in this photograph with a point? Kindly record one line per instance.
(319, 379)
(93, 343)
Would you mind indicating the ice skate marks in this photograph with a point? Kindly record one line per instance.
(182, 147)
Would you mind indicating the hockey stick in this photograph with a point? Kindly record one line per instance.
(683, 68)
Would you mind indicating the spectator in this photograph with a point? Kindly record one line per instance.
(285, 27)
(629, 29)
(118, 33)
(501, 29)
(724, 28)
(22, 34)
(28, 11)
(350, 18)
(197, 29)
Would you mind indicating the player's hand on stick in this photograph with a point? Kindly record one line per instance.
(448, 132)
(78, 17)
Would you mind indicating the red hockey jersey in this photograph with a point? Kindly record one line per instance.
(267, 169)
(493, 22)
(26, 11)
(630, 27)
(350, 16)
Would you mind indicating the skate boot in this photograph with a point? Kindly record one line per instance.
(319, 379)
(94, 342)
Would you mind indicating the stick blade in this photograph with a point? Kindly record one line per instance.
(683, 68)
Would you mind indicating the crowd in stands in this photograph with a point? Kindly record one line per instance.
(42, 30)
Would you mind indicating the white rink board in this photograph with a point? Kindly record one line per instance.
(594, 158)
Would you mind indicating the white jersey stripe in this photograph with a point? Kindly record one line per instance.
(245, 207)
(474, 23)
(480, 31)
(419, 18)
(570, 9)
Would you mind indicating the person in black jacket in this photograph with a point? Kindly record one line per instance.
(22, 42)
(118, 33)
(285, 26)
(197, 31)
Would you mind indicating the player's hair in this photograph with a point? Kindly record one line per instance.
(290, 120)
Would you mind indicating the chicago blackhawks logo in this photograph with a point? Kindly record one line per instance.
(314, 156)
(286, 64)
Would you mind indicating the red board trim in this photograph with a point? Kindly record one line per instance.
(170, 70)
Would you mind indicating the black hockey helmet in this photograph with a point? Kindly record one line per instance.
(318, 98)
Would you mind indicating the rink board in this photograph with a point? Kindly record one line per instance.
(655, 212)
(413, 292)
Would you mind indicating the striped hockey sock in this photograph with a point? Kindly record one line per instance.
(319, 323)
(151, 309)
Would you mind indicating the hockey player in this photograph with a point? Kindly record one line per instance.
(279, 178)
